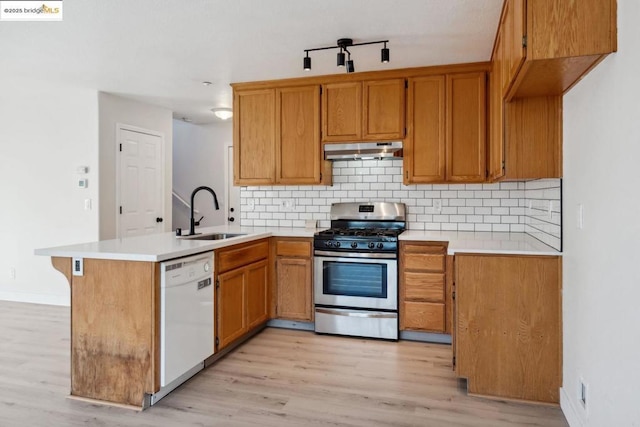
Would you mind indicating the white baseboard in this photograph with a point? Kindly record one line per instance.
(569, 410)
(36, 298)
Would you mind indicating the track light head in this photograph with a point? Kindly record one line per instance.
(350, 67)
(307, 63)
(384, 54)
(341, 58)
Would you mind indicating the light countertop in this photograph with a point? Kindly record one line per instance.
(165, 246)
(483, 242)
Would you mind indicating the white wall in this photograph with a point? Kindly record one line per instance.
(199, 159)
(46, 132)
(601, 261)
(113, 110)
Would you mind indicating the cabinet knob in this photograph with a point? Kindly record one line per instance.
(158, 219)
(231, 219)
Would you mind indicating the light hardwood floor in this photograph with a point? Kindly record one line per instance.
(278, 378)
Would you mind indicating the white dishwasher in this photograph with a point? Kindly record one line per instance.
(187, 313)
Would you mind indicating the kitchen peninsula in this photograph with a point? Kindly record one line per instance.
(115, 303)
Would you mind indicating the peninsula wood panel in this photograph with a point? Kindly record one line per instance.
(466, 127)
(341, 111)
(115, 333)
(533, 138)
(254, 137)
(424, 148)
(508, 325)
(298, 135)
(257, 294)
(383, 109)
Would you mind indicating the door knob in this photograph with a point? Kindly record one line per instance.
(231, 219)
(158, 219)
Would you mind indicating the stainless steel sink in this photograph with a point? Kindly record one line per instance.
(214, 236)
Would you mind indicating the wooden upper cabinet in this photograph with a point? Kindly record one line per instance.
(424, 147)
(466, 127)
(564, 41)
(254, 137)
(342, 112)
(533, 138)
(358, 111)
(513, 33)
(496, 156)
(298, 135)
(383, 109)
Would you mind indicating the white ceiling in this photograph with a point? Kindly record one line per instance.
(161, 51)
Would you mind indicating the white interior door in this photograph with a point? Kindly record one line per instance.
(232, 193)
(140, 209)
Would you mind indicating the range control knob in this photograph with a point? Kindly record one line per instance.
(380, 245)
(354, 245)
(328, 243)
(337, 244)
(371, 245)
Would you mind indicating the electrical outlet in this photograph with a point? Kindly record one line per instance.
(251, 204)
(437, 205)
(12, 273)
(550, 210)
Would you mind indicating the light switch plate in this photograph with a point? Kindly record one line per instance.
(77, 266)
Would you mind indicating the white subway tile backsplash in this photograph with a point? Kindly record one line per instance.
(498, 207)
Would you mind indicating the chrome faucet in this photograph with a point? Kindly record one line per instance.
(192, 221)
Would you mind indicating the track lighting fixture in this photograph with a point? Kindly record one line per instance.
(344, 45)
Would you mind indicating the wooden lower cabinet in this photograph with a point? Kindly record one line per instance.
(423, 302)
(508, 340)
(293, 278)
(242, 293)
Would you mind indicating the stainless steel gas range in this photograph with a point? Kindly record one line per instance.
(356, 270)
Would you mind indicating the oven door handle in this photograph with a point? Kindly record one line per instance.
(376, 315)
(373, 255)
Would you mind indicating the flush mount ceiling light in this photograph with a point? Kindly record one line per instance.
(222, 113)
(344, 45)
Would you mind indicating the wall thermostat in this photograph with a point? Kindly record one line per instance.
(83, 183)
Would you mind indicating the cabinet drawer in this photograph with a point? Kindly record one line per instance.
(238, 256)
(424, 261)
(293, 248)
(424, 286)
(422, 316)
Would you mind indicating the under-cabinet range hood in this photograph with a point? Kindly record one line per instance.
(363, 150)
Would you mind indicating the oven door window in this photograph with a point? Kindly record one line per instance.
(355, 279)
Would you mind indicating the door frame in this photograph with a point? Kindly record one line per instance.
(125, 127)
(228, 167)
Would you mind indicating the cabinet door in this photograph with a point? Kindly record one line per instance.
(254, 137)
(294, 288)
(508, 338)
(424, 148)
(231, 322)
(383, 111)
(496, 114)
(466, 127)
(256, 294)
(298, 135)
(515, 50)
(342, 112)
